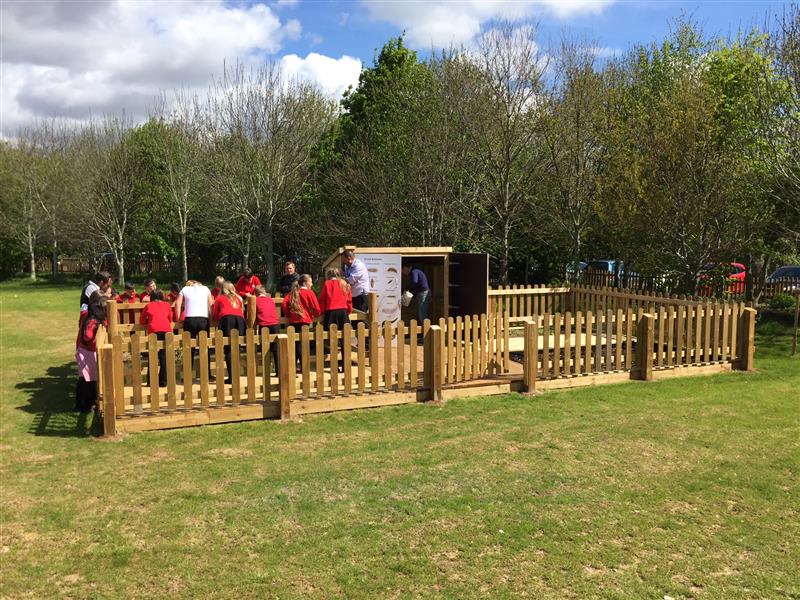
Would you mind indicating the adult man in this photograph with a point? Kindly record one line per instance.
(418, 286)
(197, 300)
(149, 288)
(101, 282)
(246, 286)
(290, 276)
(355, 271)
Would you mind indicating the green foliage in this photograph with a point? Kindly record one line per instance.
(782, 301)
(376, 97)
(686, 155)
(151, 142)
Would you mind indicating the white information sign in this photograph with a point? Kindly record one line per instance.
(385, 272)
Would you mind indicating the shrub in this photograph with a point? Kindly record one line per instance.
(781, 301)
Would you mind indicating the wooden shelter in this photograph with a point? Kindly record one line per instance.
(459, 281)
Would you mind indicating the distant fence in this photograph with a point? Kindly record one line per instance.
(521, 302)
(664, 285)
(145, 266)
(790, 286)
(531, 338)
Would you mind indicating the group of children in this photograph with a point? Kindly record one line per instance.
(193, 304)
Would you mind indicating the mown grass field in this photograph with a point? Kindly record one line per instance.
(687, 488)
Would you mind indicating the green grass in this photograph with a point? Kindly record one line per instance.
(682, 488)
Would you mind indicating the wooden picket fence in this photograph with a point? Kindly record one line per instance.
(601, 334)
(474, 346)
(632, 340)
(197, 383)
(363, 364)
(521, 301)
(597, 342)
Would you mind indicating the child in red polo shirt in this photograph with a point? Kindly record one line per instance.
(246, 286)
(149, 287)
(267, 317)
(300, 307)
(336, 302)
(129, 295)
(219, 281)
(172, 297)
(157, 316)
(335, 299)
(86, 352)
(174, 292)
(228, 312)
(266, 314)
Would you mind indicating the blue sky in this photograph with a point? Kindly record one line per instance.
(338, 27)
(78, 58)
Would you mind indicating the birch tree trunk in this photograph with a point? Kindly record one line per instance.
(31, 253)
(55, 257)
(118, 256)
(270, 248)
(184, 261)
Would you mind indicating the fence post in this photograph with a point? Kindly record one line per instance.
(644, 349)
(113, 316)
(251, 312)
(796, 324)
(531, 356)
(569, 305)
(372, 310)
(109, 405)
(285, 375)
(433, 363)
(747, 339)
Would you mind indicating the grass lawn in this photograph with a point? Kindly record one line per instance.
(682, 488)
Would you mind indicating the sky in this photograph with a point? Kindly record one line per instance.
(75, 59)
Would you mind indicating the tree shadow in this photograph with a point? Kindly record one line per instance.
(50, 401)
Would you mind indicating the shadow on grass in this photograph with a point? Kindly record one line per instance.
(50, 401)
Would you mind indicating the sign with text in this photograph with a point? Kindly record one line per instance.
(385, 272)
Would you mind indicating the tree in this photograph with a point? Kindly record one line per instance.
(401, 153)
(679, 174)
(110, 204)
(506, 136)
(262, 130)
(573, 142)
(777, 93)
(171, 147)
(29, 184)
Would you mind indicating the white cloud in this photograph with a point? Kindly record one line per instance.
(605, 52)
(332, 74)
(568, 8)
(441, 23)
(293, 29)
(87, 57)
